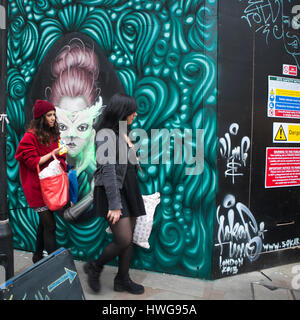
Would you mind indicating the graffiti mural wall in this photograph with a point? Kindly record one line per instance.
(164, 53)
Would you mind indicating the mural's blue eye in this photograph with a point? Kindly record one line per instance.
(62, 127)
(83, 127)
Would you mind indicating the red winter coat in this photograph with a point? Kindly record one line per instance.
(28, 154)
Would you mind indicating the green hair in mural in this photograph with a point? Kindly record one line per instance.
(164, 54)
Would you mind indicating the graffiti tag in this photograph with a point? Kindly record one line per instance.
(264, 16)
(286, 244)
(241, 234)
(269, 18)
(236, 156)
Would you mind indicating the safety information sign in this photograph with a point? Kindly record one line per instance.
(289, 70)
(282, 167)
(284, 97)
(286, 132)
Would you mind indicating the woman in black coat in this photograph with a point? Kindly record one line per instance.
(117, 195)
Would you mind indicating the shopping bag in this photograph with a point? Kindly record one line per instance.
(55, 188)
(143, 225)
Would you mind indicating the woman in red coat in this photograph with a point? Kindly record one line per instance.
(35, 148)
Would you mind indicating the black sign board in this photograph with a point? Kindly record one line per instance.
(257, 226)
(53, 278)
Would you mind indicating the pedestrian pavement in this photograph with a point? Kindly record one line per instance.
(277, 283)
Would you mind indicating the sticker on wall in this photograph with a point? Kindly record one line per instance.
(286, 132)
(284, 97)
(280, 135)
(282, 167)
(289, 70)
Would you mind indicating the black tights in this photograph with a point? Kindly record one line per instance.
(46, 238)
(121, 245)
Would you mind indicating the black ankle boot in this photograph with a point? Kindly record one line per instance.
(37, 256)
(126, 284)
(93, 271)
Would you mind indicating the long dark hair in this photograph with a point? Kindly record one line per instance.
(120, 106)
(43, 132)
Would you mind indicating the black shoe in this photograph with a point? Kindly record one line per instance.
(93, 273)
(37, 256)
(127, 284)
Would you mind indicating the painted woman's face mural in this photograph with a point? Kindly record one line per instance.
(73, 92)
(76, 119)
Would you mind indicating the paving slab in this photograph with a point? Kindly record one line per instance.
(262, 292)
(296, 294)
(277, 283)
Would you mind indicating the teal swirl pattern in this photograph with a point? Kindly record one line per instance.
(164, 53)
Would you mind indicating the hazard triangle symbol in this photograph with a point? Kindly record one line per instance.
(280, 135)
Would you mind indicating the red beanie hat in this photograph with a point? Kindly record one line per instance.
(41, 107)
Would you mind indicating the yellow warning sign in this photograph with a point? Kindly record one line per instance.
(280, 135)
(294, 133)
(272, 91)
(286, 132)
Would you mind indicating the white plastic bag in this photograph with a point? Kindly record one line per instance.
(51, 170)
(143, 226)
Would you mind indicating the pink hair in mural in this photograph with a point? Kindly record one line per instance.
(75, 70)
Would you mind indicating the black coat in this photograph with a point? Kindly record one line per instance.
(112, 157)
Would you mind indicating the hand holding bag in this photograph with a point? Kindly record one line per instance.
(143, 226)
(55, 189)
